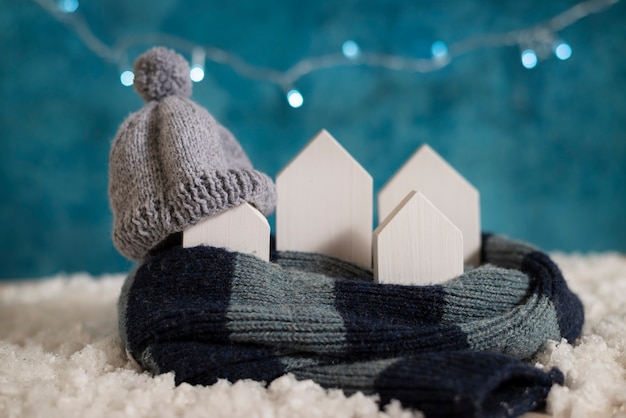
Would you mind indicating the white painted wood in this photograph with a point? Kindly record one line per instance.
(325, 201)
(417, 245)
(452, 194)
(242, 229)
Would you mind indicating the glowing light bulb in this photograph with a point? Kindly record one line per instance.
(196, 73)
(68, 6)
(529, 59)
(350, 49)
(439, 49)
(294, 98)
(127, 78)
(563, 51)
(198, 56)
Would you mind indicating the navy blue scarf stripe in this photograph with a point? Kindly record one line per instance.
(569, 308)
(218, 361)
(485, 236)
(171, 310)
(493, 385)
(404, 319)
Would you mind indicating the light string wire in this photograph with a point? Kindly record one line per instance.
(535, 42)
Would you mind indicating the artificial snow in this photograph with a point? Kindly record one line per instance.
(60, 356)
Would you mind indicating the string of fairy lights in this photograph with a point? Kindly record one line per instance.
(537, 42)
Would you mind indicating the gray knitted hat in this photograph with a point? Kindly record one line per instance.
(172, 164)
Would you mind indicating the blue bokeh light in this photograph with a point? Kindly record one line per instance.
(563, 51)
(529, 59)
(127, 78)
(68, 6)
(439, 49)
(196, 73)
(294, 98)
(350, 49)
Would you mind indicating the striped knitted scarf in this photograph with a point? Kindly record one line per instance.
(455, 349)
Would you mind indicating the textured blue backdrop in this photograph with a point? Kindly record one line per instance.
(546, 147)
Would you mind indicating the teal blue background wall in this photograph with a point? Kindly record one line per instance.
(546, 147)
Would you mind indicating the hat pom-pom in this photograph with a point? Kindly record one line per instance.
(161, 72)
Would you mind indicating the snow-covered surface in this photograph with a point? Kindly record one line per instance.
(60, 356)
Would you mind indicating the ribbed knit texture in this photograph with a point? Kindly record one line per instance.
(172, 164)
(455, 349)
